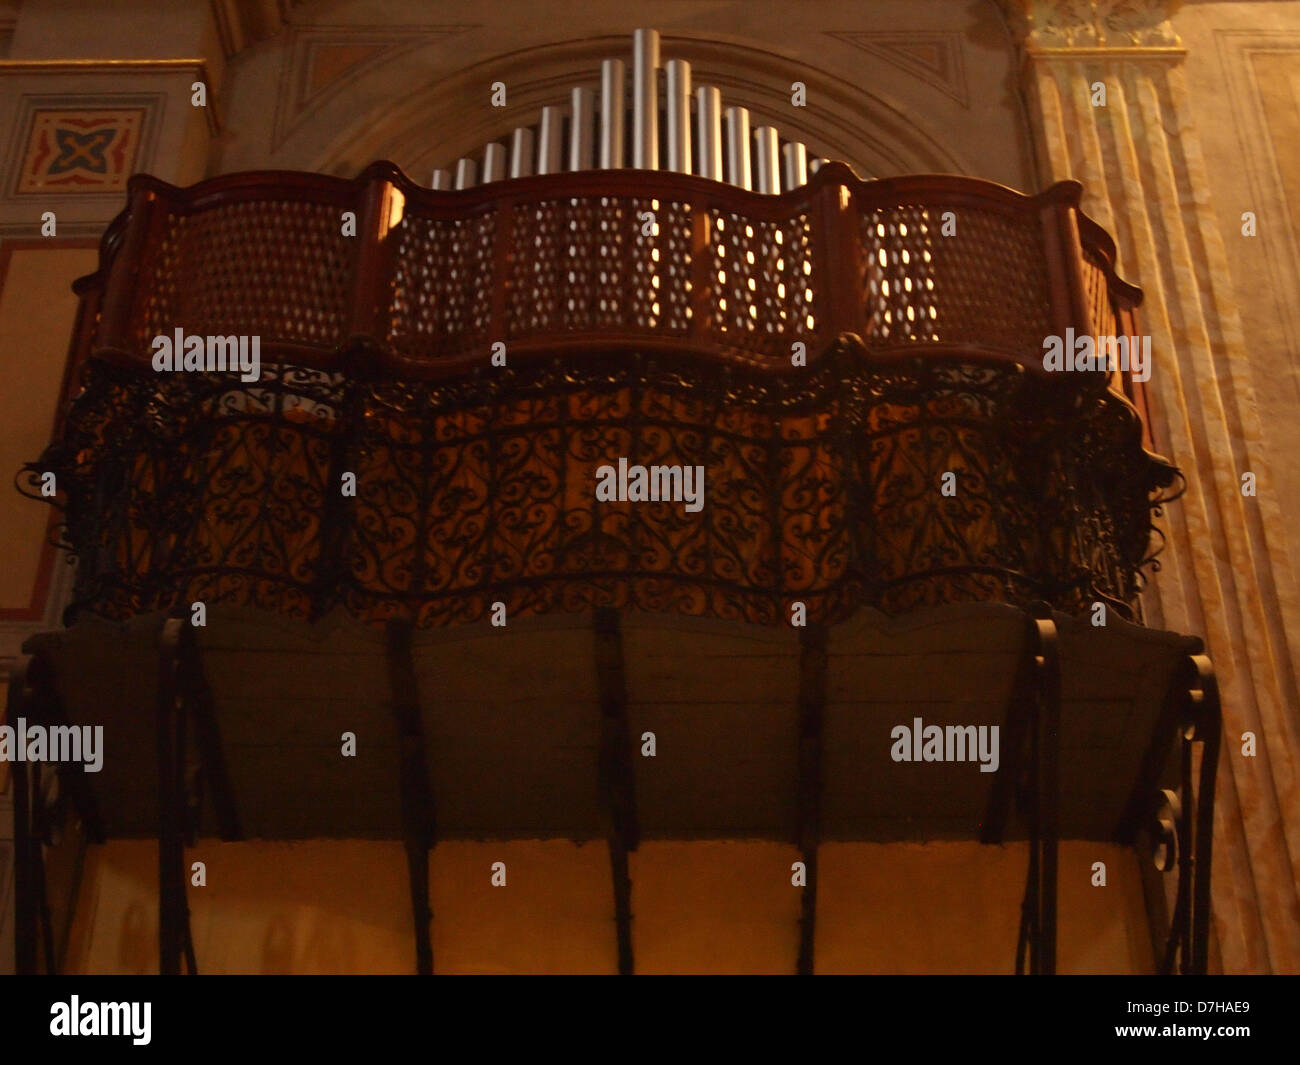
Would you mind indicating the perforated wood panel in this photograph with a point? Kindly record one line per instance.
(766, 292)
(982, 282)
(442, 285)
(1097, 293)
(898, 274)
(991, 283)
(430, 280)
(589, 264)
(271, 268)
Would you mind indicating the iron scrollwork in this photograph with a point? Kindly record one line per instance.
(822, 487)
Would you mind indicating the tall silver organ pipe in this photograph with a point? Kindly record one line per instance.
(466, 173)
(589, 128)
(521, 153)
(708, 131)
(738, 147)
(677, 92)
(645, 99)
(794, 161)
(613, 105)
(767, 165)
(550, 141)
(494, 162)
(582, 130)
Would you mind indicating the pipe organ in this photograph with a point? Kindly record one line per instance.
(665, 126)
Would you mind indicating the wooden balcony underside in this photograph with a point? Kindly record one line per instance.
(511, 723)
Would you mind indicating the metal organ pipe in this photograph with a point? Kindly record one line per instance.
(677, 90)
(613, 105)
(581, 130)
(708, 131)
(521, 153)
(720, 146)
(794, 158)
(767, 159)
(550, 143)
(645, 99)
(494, 162)
(738, 147)
(466, 173)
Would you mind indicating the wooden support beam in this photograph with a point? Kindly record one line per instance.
(616, 776)
(418, 828)
(621, 876)
(1205, 725)
(1164, 738)
(1015, 745)
(1188, 815)
(26, 842)
(197, 697)
(45, 705)
(1154, 901)
(41, 833)
(173, 911)
(1048, 779)
(1042, 796)
(812, 704)
(1178, 945)
(34, 697)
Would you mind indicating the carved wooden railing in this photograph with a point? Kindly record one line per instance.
(561, 263)
(646, 315)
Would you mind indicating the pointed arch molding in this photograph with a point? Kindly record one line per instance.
(323, 61)
(934, 57)
(435, 125)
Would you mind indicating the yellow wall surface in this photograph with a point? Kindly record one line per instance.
(699, 907)
(37, 308)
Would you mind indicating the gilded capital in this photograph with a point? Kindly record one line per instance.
(1086, 25)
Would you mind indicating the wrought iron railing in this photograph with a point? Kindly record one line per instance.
(649, 316)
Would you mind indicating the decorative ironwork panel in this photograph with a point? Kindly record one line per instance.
(829, 487)
(950, 481)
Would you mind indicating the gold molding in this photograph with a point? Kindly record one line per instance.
(119, 66)
(1169, 52)
(1093, 25)
(82, 65)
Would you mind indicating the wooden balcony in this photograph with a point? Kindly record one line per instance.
(653, 318)
(641, 315)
